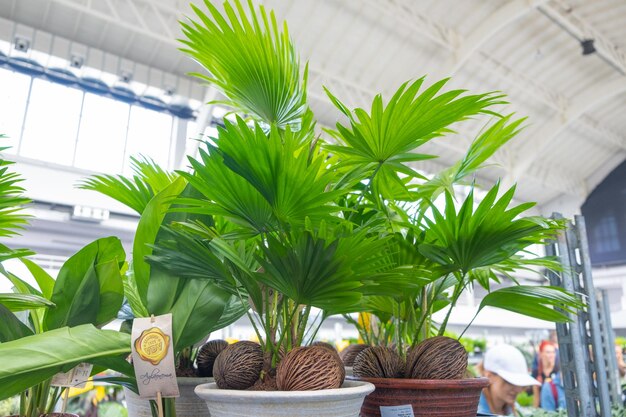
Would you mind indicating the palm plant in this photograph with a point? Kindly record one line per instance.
(297, 223)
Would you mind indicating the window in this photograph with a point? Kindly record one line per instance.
(51, 125)
(102, 134)
(149, 134)
(14, 89)
(605, 235)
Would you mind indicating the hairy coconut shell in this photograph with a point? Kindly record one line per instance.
(310, 368)
(350, 352)
(378, 362)
(238, 366)
(207, 354)
(439, 357)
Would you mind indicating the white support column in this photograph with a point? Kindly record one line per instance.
(203, 120)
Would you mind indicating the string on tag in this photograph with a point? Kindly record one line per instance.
(66, 396)
(159, 402)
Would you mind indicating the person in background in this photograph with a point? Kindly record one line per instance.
(508, 375)
(552, 394)
(547, 368)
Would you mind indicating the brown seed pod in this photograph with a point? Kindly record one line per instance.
(378, 362)
(310, 368)
(207, 354)
(439, 357)
(349, 353)
(238, 366)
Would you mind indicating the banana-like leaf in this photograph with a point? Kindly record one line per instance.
(534, 301)
(44, 280)
(36, 358)
(20, 302)
(89, 286)
(198, 310)
(147, 231)
(11, 328)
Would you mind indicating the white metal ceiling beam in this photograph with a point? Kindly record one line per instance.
(566, 16)
(488, 28)
(417, 21)
(585, 101)
(120, 21)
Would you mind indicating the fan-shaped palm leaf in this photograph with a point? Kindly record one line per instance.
(136, 191)
(12, 200)
(251, 61)
(385, 140)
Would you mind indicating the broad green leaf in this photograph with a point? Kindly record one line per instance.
(89, 286)
(37, 358)
(147, 230)
(44, 280)
(197, 310)
(11, 328)
(20, 302)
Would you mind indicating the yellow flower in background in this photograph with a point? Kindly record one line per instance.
(342, 344)
(77, 391)
(231, 340)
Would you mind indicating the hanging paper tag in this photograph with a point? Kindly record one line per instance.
(396, 411)
(75, 378)
(153, 357)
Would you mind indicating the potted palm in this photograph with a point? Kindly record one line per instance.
(298, 223)
(198, 307)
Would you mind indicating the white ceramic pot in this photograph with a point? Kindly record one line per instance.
(341, 402)
(187, 405)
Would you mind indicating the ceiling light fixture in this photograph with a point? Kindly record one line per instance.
(588, 47)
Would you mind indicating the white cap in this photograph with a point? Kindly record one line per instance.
(508, 362)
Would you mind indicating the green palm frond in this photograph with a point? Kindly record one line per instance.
(384, 141)
(250, 60)
(534, 301)
(136, 191)
(12, 200)
(264, 181)
(487, 235)
(313, 268)
(481, 149)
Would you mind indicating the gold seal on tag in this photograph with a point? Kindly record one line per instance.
(152, 345)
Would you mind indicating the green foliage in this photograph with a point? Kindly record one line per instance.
(38, 357)
(251, 61)
(135, 192)
(351, 226)
(88, 288)
(382, 143)
(12, 217)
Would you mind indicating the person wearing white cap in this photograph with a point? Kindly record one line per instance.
(507, 371)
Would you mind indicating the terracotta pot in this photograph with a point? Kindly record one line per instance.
(187, 405)
(427, 397)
